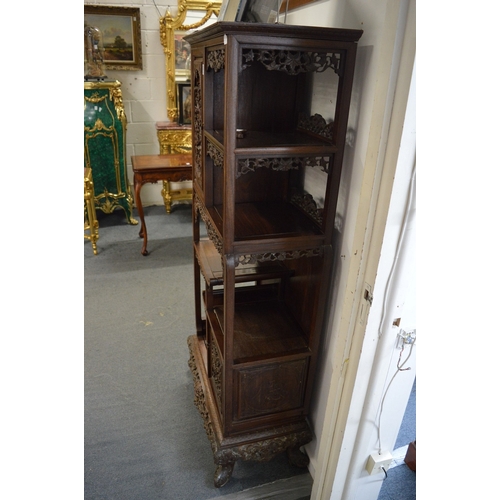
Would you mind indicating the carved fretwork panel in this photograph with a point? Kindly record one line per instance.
(306, 202)
(317, 125)
(216, 372)
(262, 451)
(199, 397)
(198, 127)
(211, 231)
(292, 62)
(246, 165)
(278, 256)
(215, 153)
(215, 59)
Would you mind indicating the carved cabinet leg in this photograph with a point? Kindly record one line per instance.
(296, 457)
(223, 474)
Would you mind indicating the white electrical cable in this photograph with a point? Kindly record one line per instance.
(159, 13)
(398, 249)
(402, 233)
(400, 369)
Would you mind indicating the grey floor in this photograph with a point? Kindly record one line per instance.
(144, 439)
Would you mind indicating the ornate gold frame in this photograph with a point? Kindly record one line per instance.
(171, 23)
(134, 13)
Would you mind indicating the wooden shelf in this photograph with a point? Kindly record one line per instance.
(264, 143)
(211, 266)
(267, 220)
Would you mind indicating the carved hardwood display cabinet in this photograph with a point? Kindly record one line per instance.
(270, 111)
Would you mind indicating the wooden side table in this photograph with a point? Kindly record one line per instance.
(154, 168)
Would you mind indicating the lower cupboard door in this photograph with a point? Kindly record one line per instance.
(268, 389)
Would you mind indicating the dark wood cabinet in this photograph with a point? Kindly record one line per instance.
(270, 110)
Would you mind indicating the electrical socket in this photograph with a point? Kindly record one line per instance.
(408, 337)
(377, 461)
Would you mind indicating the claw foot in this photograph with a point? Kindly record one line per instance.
(223, 474)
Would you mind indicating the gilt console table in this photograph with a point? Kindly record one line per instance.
(173, 138)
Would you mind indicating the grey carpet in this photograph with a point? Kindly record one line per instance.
(144, 438)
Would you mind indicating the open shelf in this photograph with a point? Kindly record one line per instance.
(262, 330)
(268, 220)
(272, 143)
(211, 266)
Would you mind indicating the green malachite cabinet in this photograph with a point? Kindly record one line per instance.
(105, 126)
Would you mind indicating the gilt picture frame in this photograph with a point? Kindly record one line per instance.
(121, 31)
(184, 102)
(182, 55)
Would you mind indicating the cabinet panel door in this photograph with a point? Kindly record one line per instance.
(270, 388)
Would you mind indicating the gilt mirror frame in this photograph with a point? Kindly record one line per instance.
(171, 23)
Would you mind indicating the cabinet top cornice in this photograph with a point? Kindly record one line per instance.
(275, 30)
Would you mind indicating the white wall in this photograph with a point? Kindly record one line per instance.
(378, 378)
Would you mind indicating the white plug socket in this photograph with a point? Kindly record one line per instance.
(377, 461)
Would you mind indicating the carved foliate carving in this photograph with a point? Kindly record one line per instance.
(246, 165)
(215, 153)
(316, 125)
(291, 61)
(306, 202)
(211, 231)
(278, 256)
(215, 59)
(199, 397)
(216, 371)
(263, 451)
(198, 126)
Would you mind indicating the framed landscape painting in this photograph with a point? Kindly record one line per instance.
(121, 32)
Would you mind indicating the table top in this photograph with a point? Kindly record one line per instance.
(155, 162)
(171, 126)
